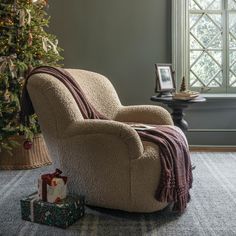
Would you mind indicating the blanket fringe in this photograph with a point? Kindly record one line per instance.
(181, 204)
(180, 197)
(166, 194)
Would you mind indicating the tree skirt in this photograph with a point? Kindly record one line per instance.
(27, 155)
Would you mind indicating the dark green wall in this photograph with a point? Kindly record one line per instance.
(121, 39)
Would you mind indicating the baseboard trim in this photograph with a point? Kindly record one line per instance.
(212, 148)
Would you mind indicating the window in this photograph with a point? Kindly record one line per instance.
(207, 40)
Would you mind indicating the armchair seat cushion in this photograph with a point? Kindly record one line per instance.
(144, 114)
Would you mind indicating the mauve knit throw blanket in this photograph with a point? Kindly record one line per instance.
(176, 171)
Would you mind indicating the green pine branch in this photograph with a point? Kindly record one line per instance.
(22, 45)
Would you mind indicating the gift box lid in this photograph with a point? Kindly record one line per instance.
(64, 203)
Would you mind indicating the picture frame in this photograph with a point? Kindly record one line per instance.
(165, 81)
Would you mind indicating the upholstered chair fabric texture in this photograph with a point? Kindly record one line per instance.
(105, 160)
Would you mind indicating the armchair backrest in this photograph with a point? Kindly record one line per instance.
(99, 91)
(56, 107)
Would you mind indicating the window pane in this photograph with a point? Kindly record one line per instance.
(232, 80)
(207, 68)
(233, 68)
(232, 47)
(193, 19)
(232, 30)
(194, 82)
(232, 58)
(217, 18)
(205, 5)
(216, 5)
(232, 42)
(194, 55)
(207, 28)
(232, 75)
(231, 4)
(232, 20)
(219, 79)
(216, 56)
(193, 5)
(206, 45)
(217, 42)
(212, 44)
(194, 44)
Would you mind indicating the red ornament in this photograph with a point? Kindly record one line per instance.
(27, 145)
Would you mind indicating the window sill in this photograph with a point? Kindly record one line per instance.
(219, 95)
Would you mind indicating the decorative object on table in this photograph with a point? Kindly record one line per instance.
(52, 187)
(24, 44)
(204, 89)
(165, 82)
(26, 155)
(183, 87)
(60, 214)
(186, 95)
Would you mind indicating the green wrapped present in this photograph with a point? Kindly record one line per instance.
(60, 214)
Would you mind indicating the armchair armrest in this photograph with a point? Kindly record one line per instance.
(104, 128)
(144, 114)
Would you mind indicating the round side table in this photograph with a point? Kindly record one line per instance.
(177, 107)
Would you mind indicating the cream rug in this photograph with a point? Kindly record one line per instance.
(212, 210)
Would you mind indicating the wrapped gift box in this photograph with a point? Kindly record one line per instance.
(52, 187)
(61, 214)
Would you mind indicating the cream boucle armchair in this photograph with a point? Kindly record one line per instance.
(105, 160)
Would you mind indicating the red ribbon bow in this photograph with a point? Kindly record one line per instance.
(57, 174)
(47, 180)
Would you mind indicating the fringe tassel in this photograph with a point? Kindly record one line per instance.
(179, 196)
(180, 205)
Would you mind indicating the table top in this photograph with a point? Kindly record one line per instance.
(167, 100)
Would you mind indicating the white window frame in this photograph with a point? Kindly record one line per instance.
(179, 40)
(180, 45)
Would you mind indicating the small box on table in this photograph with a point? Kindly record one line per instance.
(60, 214)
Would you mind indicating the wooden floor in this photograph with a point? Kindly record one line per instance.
(212, 148)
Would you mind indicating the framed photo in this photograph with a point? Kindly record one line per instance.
(164, 78)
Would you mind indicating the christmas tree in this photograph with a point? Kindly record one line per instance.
(24, 44)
